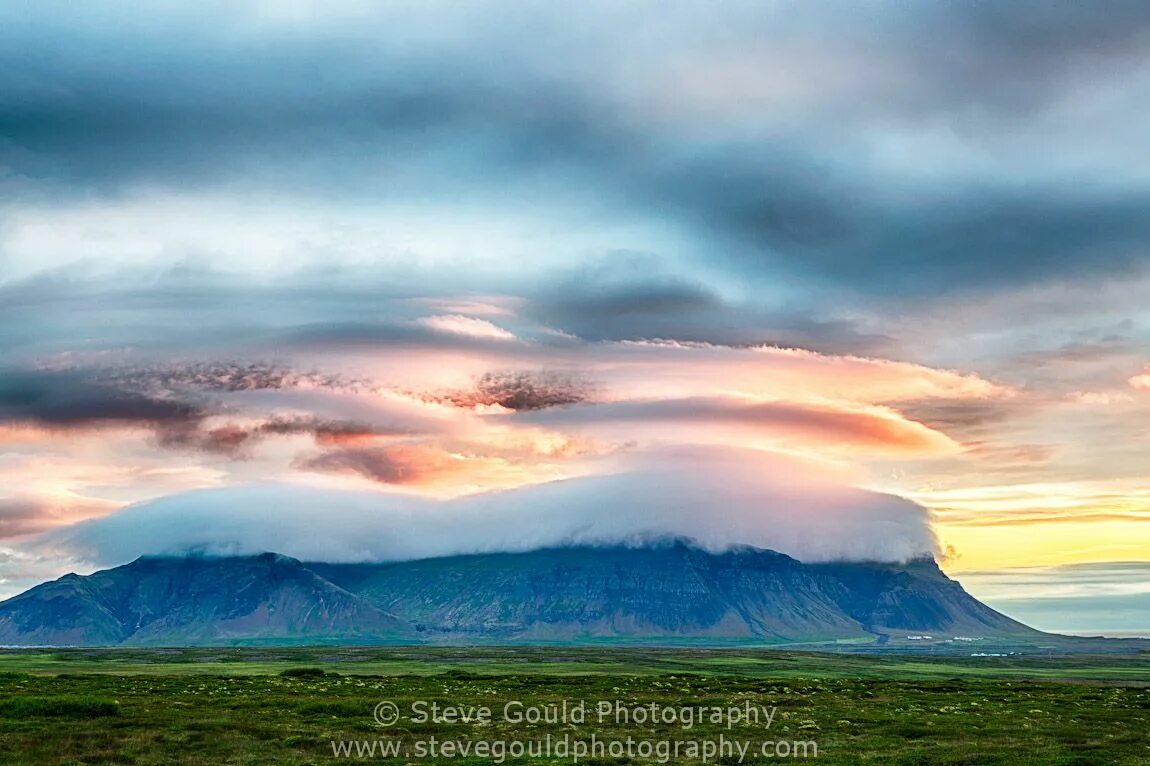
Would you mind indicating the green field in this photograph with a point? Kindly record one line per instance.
(211, 706)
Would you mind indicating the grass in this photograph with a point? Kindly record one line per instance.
(273, 706)
(57, 707)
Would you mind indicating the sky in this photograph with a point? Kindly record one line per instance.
(848, 280)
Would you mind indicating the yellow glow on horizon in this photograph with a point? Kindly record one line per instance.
(1041, 523)
(1044, 544)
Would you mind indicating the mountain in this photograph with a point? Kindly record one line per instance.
(660, 593)
(591, 593)
(178, 601)
(916, 596)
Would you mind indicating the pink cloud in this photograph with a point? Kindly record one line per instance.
(1141, 381)
(26, 514)
(864, 429)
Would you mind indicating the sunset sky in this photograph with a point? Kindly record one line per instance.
(857, 279)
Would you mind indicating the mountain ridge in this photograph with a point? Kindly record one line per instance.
(666, 592)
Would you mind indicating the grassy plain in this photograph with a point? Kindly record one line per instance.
(238, 706)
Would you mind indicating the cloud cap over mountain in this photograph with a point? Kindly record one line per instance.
(718, 498)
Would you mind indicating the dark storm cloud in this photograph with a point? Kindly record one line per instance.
(234, 321)
(193, 107)
(223, 378)
(172, 404)
(788, 213)
(1027, 50)
(385, 465)
(611, 302)
(313, 136)
(522, 390)
(234, 440)
(232, 377)
(970, 419)
(997, 238)
(93, 106)
(598, 305)
(69, 399)
(639, 299)
(80, 400)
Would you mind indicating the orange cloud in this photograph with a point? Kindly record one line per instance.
(428, 467)
(31, 513)
(1141, 381)
(818, 425)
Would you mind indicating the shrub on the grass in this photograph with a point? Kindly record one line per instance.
(303, 673)
(338, 709)
(62, 707)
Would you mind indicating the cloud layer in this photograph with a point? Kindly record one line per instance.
(718, 498)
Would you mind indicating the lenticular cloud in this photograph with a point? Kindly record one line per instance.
(717, 498)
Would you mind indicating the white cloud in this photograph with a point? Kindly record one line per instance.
(719, 498)
(472, 327)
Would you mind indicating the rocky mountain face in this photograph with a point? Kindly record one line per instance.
(184, 601)
(662, 593)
